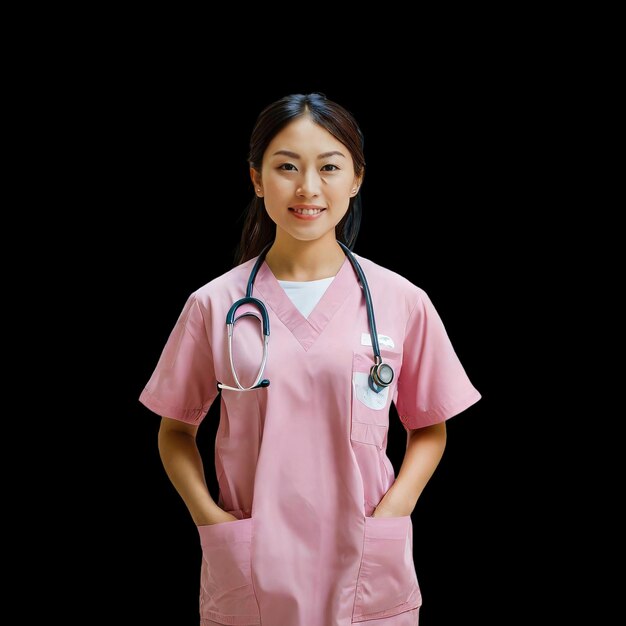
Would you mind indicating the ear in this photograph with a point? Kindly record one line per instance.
(358, 181)
(255, 176)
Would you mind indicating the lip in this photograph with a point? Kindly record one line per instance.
(306, 206)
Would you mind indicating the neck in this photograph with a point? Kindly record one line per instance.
(292, 259)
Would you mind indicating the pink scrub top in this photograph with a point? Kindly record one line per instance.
(302, 463)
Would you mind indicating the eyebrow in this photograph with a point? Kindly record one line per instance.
(324, 155)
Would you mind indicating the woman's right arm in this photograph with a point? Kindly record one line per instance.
(183, 465)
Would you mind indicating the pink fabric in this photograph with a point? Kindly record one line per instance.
(302, 463)
(408, 618)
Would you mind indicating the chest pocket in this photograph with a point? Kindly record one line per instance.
(370, 410)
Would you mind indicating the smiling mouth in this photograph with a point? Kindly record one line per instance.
(306, 211)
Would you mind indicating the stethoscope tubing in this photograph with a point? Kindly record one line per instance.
(265, 324)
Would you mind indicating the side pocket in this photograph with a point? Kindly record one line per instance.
(387, 582)
(226, 591)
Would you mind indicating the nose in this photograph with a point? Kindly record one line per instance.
(309, 184)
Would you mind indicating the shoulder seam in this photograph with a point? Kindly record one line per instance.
(197, 303)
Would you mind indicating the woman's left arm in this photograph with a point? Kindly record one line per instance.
(424, 450)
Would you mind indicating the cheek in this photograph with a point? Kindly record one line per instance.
(281, 185)
(340, 192)
(277, 194)
(275, 197)
(277, 187)
(342, 184)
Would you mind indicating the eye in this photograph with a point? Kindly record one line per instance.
(335, 168)
(288, 167)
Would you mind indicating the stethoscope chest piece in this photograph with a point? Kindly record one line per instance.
(381, 376)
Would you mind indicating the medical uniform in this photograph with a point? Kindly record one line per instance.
(302, 463)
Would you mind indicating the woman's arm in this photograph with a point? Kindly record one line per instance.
(424, 450)
(183, 464)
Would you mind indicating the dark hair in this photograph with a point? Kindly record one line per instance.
(258, 229)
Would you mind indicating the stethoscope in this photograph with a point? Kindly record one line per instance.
(381, 374)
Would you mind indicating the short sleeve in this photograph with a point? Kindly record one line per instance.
(183, 385)
(432, 386)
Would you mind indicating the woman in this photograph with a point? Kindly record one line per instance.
(311, 527)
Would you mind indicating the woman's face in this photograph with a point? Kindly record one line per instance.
(307, 180)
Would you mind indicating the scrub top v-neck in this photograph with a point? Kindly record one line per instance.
(302, 463)
(305, 294)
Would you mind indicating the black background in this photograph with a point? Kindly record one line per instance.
(441, 193)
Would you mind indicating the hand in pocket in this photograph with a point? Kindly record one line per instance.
(382, 512)
(217, 518)
(395, 503)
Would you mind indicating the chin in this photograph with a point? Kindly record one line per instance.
(308, 236)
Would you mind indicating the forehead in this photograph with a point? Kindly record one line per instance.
(305, 137)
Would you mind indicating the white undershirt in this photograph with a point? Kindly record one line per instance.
(305, 294)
